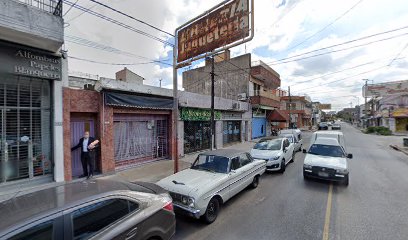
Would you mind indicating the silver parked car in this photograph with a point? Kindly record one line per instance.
(96, 209)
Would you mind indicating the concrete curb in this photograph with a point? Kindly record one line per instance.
(395, 147)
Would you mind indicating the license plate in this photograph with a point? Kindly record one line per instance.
(323, 174)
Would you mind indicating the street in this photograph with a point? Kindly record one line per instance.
(285, 206)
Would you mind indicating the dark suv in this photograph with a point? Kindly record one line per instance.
(95, 209)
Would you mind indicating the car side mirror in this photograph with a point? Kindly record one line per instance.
(350, 155)
(304, 150)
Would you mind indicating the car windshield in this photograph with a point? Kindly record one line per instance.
(273, 144)
(326, 150)
(211, 163)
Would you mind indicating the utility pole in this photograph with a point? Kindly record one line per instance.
(365, 103)
(290, 106)
(212, 124)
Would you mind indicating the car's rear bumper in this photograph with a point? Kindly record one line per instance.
(191, 212)
(331, 177)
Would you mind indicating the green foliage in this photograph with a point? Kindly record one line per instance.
(379, 130)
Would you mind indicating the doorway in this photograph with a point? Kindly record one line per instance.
(78, 127)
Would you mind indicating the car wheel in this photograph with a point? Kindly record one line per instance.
(213, 208)
(305, 177)
(255, 182)
(346, 181)
(283, 166)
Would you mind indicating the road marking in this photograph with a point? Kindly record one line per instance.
(328, 212)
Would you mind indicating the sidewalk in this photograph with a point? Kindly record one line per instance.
(394, 141)
(153, 172)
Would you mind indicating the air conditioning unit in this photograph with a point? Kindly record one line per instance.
(242, 97)
(236, 106)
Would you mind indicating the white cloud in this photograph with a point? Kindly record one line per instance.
(277, 30)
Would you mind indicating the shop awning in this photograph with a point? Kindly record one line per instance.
(400, 112)
(277, 116)
(138, 101)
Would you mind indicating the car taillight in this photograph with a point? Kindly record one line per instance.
(169, 207)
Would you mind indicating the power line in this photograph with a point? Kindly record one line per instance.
(80, 14)
(95, 45)
(118, 23)
(340, 71)
(69, 9)
(129, 16)
(402, 50)
(325, 27)
(282, 61)
(372, 70)
(107, 63)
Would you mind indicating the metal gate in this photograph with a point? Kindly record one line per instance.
(25, 135)
(197, 135)
(140, 138)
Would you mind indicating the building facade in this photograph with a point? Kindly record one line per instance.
(131, 120)
(239, 79)
(299, 108)
(32, 72)
(232, 122)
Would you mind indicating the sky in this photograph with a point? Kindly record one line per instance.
(285, 32)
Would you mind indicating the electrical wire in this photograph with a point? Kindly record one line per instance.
(69, 9)
(107, 63)
(104, 17)
(131, 17)
(325, 27)
(94, 45)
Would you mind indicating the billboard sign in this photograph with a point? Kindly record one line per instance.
(325, 106)
(384, 89)
(224, 25)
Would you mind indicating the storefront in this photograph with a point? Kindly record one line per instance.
(258, 123)
(401, 119)
(139, 136)
(231, 124)
(26, 101)
(197, 128)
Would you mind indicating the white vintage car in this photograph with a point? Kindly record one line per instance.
(213, 178)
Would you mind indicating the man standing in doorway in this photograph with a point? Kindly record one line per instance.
(87, 145)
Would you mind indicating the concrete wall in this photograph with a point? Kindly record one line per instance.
(188, 99)
(232, 78)
(30, 26)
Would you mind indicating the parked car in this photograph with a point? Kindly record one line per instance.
(97, 209)
(326, 159)
(323, 126)
(213, 179)
(277, 152)
(336, 126)
(294, 136)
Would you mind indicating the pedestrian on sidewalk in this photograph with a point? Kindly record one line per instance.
(88, 146)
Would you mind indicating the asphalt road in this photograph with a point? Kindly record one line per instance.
(373, 206)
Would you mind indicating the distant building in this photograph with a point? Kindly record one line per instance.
(299, 108)
(242, 80)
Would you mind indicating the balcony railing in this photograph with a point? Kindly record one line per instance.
(51, 6)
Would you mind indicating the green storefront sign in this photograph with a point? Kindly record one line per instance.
(195, 114)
